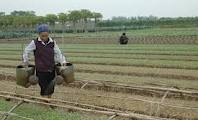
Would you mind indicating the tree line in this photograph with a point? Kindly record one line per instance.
(150, 21)
(80, 20)
(29, 19)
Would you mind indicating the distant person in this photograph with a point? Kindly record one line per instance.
(46, 54)
(123, 39)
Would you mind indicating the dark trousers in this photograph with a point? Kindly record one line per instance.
(46, 82)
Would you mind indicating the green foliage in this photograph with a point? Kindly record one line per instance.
(22, 13)
(51, 19)
(28, 19)
(63, 18)
(151, 21)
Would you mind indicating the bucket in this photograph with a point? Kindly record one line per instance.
(67, 72)
(23, 74)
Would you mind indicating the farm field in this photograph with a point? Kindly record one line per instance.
(159, 80)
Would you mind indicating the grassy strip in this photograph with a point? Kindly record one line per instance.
(118, 56)
(43, 113)
(113, 47)
(128, 62)
(102, 51)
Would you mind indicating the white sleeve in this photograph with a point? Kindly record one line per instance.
(30, 48)
(58, 56)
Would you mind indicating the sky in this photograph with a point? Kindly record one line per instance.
(109, 8)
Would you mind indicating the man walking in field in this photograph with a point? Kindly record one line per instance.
(123, 39)
(47, 54)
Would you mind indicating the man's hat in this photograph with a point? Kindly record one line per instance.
(43, 28)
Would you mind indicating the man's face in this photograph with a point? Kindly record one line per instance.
(44, 36)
